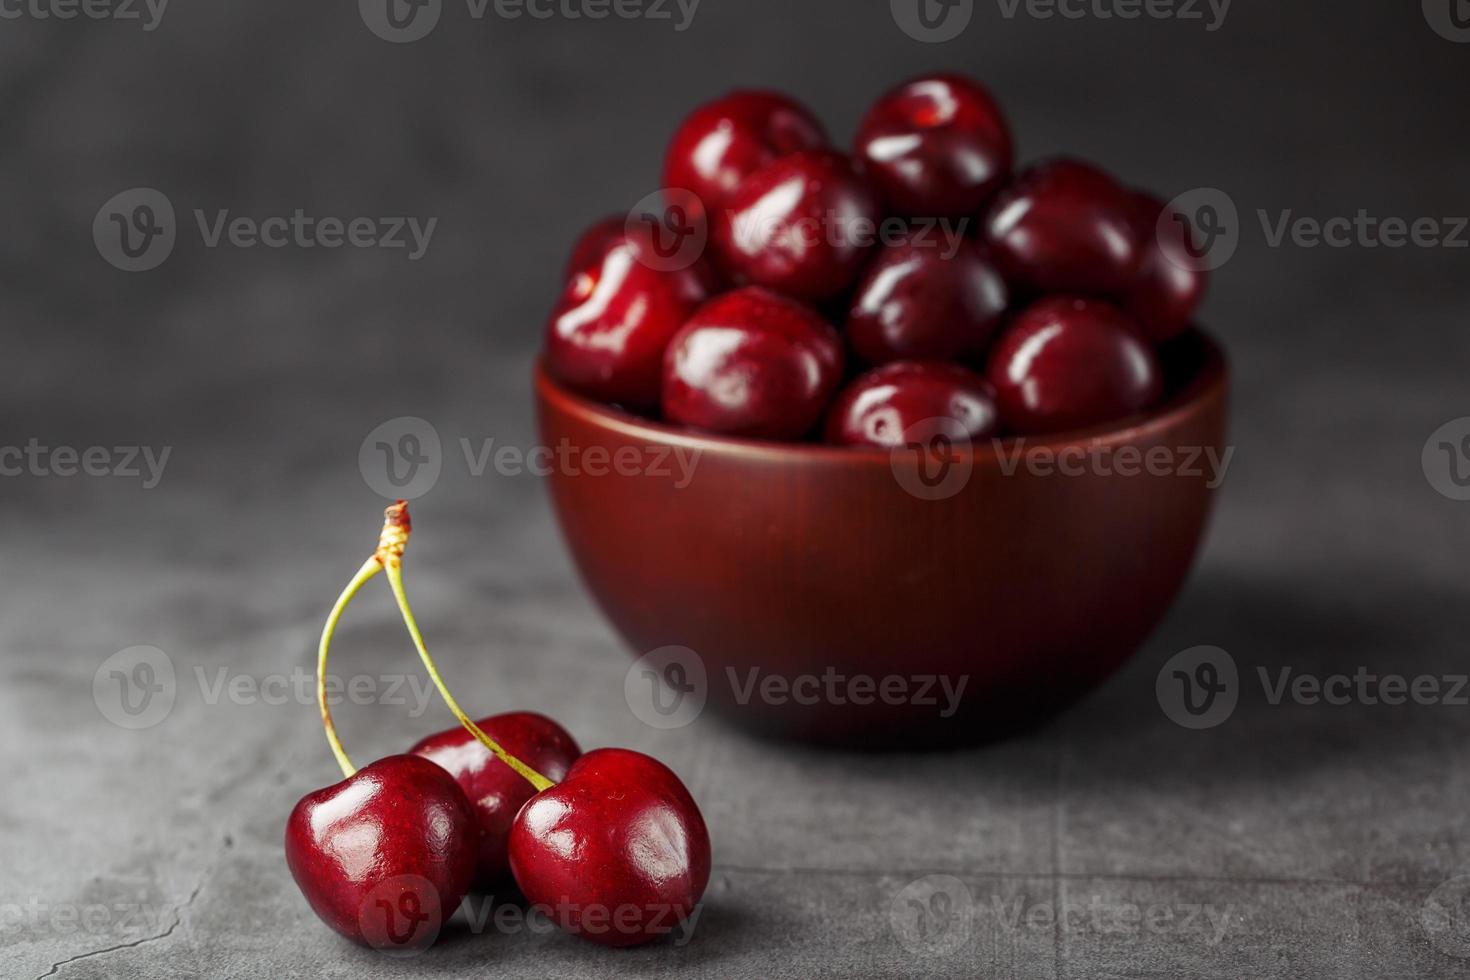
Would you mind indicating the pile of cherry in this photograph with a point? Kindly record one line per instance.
(608, 845)
(1046, 315)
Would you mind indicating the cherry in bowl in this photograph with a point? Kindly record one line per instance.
(936, 147)
(803, 225)
(1170, 285)
(890, 405)
(1070, 363)
(752, 363)
(726, 140)
(620, 306)
(1065, 226)
(918, 301)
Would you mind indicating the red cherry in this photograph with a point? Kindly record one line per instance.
(883, 407)
(1167, 291)
(804, 225)
(1068, 363)
(752, 363)
(1065, 226)
(914, 303)
(607, 334)
(494, 789)
(385, 856)
(725, 141)
(617, 852)
(936, 147)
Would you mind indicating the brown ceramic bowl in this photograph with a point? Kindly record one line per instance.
(814, 565)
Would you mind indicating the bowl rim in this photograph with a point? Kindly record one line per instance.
(1209, 381)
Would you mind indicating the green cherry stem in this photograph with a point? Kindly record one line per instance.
(364, 574)
(396, 529)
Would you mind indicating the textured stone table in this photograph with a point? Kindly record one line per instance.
(1292, 840)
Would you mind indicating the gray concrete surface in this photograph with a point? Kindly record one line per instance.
(1292, 840)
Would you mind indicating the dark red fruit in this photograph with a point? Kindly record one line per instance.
(918, 399)
(1065, 226)
(617, 852)
(1168, 289)
(494, 789)
(725, 141)
(607, 334)
(803, 225)
(936, 147)
(752, 363)
(914, 303)
(1069, 363)
(386, 856)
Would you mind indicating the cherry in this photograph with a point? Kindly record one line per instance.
(385, 856)
(495, 790)
(1065, 226)
(1067, 363)
(803, 225)
(752, 363)
(617, 852)
(607, 334)
(1167, 290)
(725, 141)
(914, 302)
(936, 147)
(885, 406)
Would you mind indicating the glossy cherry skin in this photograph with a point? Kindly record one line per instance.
(617, 852)
(725, 141)
(494, 789)
(1167, 291)
(889, 404)
(607, 333)
(1070, 363)
(386, 856)
(803, 225)
(914, 303)
(936, 147)
(1065, 226)
(752, 363)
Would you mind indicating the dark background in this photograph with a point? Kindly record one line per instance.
(264, 369)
